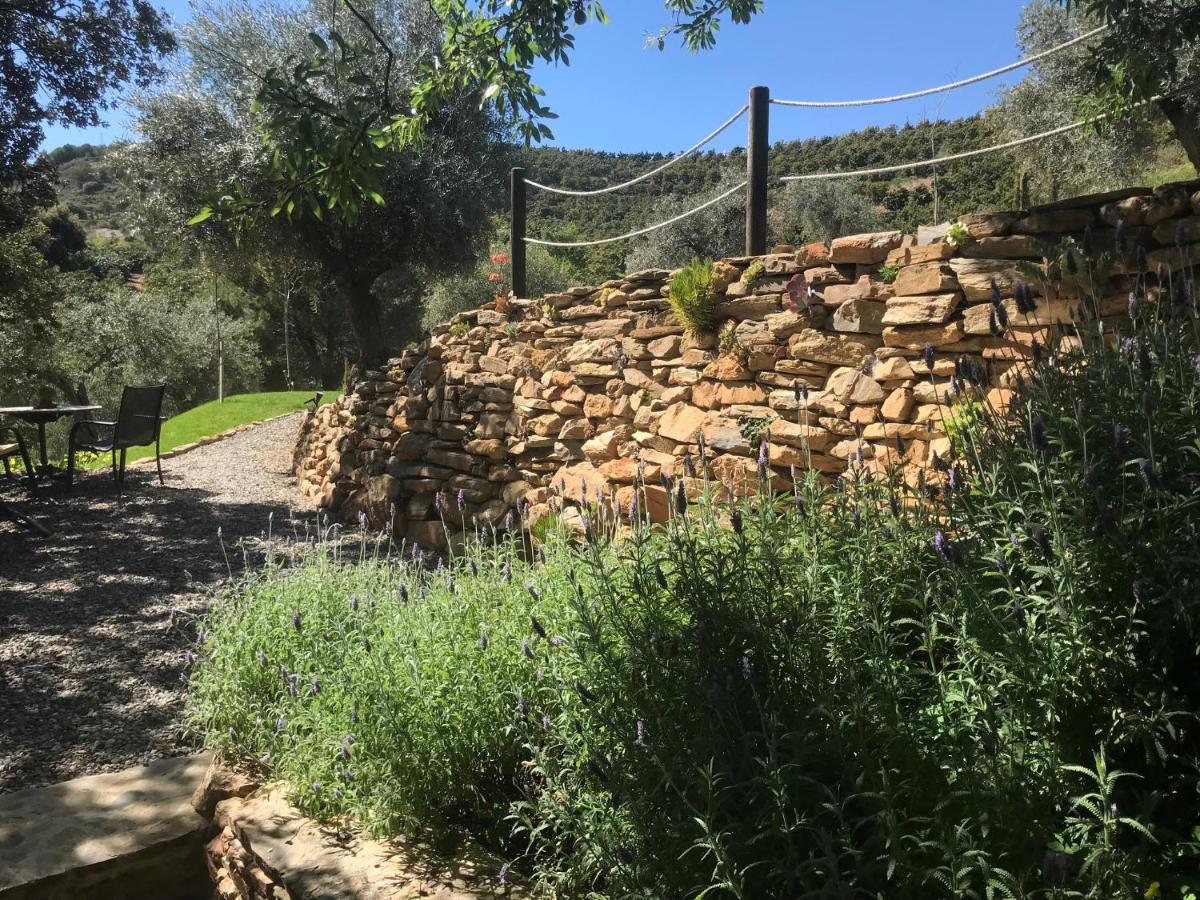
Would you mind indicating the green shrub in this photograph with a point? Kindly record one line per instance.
(753, 272)
(981, 688)
(888, 273)
(692, 296)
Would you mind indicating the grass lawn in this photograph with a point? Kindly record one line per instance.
(213, 418)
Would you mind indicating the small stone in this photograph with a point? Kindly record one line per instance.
(921, 310)
(864, 248)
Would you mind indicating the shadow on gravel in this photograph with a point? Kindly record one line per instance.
(89, 662)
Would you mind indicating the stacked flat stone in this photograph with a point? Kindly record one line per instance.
(580, 394)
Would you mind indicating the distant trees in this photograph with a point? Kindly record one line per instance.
(1050, 95)
(201, 143)
(1150, 53)
(61, 62)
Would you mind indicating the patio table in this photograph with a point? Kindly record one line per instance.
(41, 416)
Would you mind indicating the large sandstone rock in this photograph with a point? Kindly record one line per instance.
(860, 317)
(864, 248)
(975, 277)
(928, 278)
(922, 310)
(681, 422)
(835, 350)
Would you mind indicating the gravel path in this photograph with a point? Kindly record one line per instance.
(89, 665)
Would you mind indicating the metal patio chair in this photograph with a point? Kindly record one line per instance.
(138, 424)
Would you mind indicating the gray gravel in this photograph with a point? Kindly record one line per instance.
(89, 662)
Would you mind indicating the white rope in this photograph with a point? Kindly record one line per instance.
(642, 231)
(886, 170)
(945, 87)
(670, 162)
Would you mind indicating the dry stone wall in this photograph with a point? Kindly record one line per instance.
(831, 356)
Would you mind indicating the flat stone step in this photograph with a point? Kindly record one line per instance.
(264, 841)
(130, 834)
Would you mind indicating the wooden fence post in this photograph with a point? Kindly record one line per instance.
(517, 232)
(756, 171)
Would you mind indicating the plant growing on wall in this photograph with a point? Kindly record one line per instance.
(692, 296)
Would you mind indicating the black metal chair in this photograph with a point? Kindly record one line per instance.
(12, 446)
(138, 424)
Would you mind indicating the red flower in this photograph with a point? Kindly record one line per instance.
(495, 276)
(499, 259)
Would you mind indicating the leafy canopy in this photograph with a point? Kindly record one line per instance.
(324, 151)
(61, 61)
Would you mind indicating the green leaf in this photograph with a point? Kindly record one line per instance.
(205, 213)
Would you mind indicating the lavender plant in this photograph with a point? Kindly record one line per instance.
(980, 686)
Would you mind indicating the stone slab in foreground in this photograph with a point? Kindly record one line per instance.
(266, 849)
(130, 834)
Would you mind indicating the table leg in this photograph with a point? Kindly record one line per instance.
(42, 443)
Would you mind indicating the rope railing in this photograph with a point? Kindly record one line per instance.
(954, 157)
(756, 163)
(639, 179)
(943, 88)
(640, 231)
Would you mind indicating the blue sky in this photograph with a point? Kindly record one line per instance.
(618, 96)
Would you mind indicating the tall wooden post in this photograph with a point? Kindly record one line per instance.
(517, 232)
(756, 171)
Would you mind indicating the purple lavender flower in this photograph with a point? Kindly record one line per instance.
(402, 591)
(947, 549)
(689, 467)
(362, 518)
(280, 725)
(747, 667)
(799, 504)
(483, 640)
(507, 524)
(546, 722)
(533, 591)
(526, 649)
(762, 458)
(1018, 613)
(681, 502)
(538, 628)
(188, 657)
(233, 736)
(522, 707)
(1035, 348)
(460, 499)
(703, 450)
(354, 714)
(354, 602)
(344, 752)
(262, 659)
(1001, 561)
(555, 641)
(296, 620)
(993, 325)
(735, 520)
(315, 685)
(660, 576)
(994, 292)
(928, 356)
(439, 501)
(640, 729)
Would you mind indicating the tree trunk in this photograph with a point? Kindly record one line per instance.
(366, 321)
(1186, 123)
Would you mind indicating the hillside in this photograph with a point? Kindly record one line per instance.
(91, 183)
